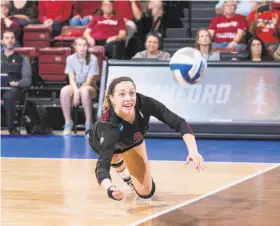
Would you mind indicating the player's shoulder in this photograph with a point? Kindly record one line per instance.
(144, 100)
(109, 121)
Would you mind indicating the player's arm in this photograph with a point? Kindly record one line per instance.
(162, 113)
(108, 139)
(177, 123)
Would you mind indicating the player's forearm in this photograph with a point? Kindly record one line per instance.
(106, 183)
(191, 143)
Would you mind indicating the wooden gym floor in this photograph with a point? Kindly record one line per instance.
(50, 181)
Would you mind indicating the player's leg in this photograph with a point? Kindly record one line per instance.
(138, 166)
(119, 165)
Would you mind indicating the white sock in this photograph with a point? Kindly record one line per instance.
(125, 174)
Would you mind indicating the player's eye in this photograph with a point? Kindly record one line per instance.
(121, 94)
(131, 93)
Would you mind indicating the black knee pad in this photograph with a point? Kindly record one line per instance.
(117, 165)
(151, 193)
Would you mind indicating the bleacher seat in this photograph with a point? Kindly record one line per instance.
(99, 52)
(37, 35)
(52, 62)
(29, 52)
(68, 35)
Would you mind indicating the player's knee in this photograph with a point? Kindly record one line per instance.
(149, 194)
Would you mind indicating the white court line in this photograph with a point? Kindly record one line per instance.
(174, 161)
(202, 196)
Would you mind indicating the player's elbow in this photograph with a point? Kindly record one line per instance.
(185, 128)
(102, 173)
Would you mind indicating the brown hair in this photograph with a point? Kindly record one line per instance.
(196, 45)
(110, 90)
(88, 53)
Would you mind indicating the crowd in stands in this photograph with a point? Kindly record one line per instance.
(249, 26)
(126, 29)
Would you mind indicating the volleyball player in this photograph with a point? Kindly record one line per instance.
(118, 138)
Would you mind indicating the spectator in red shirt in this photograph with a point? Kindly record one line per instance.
(265, 23)
(130, 10)
(228, 30)
(9, 23)
(83, 12)
(107, 30)
(54, 13)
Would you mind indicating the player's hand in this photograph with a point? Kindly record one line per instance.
(197, 159)
(117, 193)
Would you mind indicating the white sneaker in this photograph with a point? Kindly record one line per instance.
(68, 129)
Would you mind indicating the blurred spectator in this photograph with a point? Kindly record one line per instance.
(156, 8)
(244, 7)
(257, 50)
(107, 30)
(276, 55)
(228, 30)
(130, 10)
(83, 12)
(81, 68)
(19, 73)
(265, 24)
(9, 23)
(153, 43)
(203, 44)
(25, 11)
(54, 13)
(152, 9)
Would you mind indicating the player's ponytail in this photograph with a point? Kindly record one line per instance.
(107, 103)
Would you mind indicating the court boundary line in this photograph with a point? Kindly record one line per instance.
(179, 161)
(187, 202)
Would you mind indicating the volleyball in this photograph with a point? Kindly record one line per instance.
(188, 66)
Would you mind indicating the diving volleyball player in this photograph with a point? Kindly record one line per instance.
(118, 138)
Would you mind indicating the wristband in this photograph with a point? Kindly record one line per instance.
(110, 194)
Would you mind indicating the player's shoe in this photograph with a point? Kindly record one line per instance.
(129, 182)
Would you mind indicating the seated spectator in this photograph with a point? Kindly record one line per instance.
(153, 43)
(265, 24)
(19, 73)
(9, 23)
(81, 68)
(203, 44)
(243, 7)
(83, 12)
(107, 30)
(55, 14)
(276, 54)
(130, 10)
(25, 11)
(228, 30)
(257, 50)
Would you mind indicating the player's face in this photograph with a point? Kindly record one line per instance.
(81, 47)
(152, 44)
(124, 98)
(256, 47)
(8, 40)
(203, 38)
